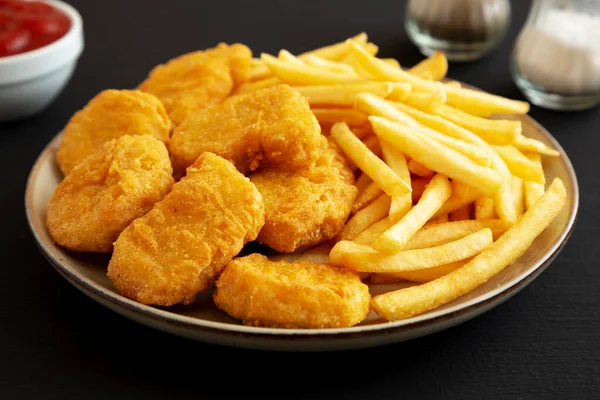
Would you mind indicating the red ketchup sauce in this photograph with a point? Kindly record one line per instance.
(29, 25)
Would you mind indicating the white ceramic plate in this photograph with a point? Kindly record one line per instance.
(204, 322)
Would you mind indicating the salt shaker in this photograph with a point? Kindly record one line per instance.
(464, 30)
(556, 57)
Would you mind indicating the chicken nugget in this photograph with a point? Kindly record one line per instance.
(272, 126)
(195, 80)
(108, 190)
(181, 246)
(308, 206)
(109, 115)
(301, 294)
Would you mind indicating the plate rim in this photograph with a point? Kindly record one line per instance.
(64, 267)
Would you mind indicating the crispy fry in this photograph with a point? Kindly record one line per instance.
(519, 165)
(415, 300)
(516, 191)
(420, 275)
(342, 95)
(336, 51)
(285, 55)
(434, 196)
(361, 260)
(391, 61)
(366, 217)
(368, 162)
(528, 144)
(533, 191)
(295, 74)
(437, 157)
(333, 66)
(433, 234)
(427, 101)
(395, 159)
(258, 70)
(436, 65)
(462, 194)
(494, 131)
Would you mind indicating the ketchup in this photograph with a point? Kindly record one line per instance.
(29, 25)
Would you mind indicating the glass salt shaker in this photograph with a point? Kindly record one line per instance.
(556, 57)
(464, 30)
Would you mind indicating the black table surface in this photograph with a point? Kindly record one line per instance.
(57, 343)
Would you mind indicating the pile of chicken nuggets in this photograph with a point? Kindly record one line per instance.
(177, 176)
(216, 150)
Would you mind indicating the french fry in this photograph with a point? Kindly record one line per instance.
(362, 182)
(368, 162)
(376, 106)
(472, 101)
(337, 251)
(396, 161)
(330, 116)
(253, 86)
(371, 48)
(351, 61)
(493, 131)
(455, 84)
(462, 214)
(419, 170)
(366, 217)
(400, 91)
(528, 144)
(533, 191)
(426, 75)
(484, 208)
(427, 101)
(342, 94)
(361, 260)
(333, 66)
(519, 165)
(436, 156)
(295, 74)
(405, 303)
(391, 61)
(517, 193)
(285, 55)
(371, 192)
(420, 275)
(434, 196)
(336, 51)
(436, 65)
(258, 70)
(433, 234)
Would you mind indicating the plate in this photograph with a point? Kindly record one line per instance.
(203, 321)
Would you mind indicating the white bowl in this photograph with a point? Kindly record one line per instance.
(31, 81)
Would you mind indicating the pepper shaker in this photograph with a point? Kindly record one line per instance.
(464, 30)
(556, 57)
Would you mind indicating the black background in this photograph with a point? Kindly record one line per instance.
(57, 343)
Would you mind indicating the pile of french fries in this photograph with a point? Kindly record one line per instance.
(448, 196)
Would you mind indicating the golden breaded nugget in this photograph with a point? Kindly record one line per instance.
(108, 190)
(109, 115)
(272, 126)
(181, 246)
(195, 80)
(300, 294)
(308, 206)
